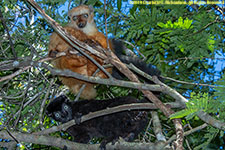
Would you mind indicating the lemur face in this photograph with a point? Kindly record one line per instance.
(81, 16)
(60, 109)
(80, 20)
(63, 115)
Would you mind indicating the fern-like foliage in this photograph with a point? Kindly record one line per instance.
(196, 103)
(207, 139)
(217, 106)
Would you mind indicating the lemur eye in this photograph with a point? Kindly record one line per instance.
(85, 15)
(66, 107)
(57, 115)
(74, 18)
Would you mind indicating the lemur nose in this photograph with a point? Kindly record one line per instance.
(81, 25)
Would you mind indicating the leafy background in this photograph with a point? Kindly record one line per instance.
(184, 42)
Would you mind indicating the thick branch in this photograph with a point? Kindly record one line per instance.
(61, 143)
(166, 89)
(210, 120)
(46, 140)
(28, 64)
(114, 82)
(8, 145)
(157, 128)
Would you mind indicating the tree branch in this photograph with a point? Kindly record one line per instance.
(157, 128)
(28, 66)
(210, 120)
(115, 82)
(61, 143)
(184, 82)
(9, 37)
(187, 133)
(44, 102)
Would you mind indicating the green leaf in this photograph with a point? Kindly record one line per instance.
(119, 3)
(160, 24)
(92, 2)
(180, 114)
(146, 29)
(190, 116)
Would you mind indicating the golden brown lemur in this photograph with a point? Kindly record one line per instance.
(82, 27)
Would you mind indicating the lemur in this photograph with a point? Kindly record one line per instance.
(126, 124)
(83, 27)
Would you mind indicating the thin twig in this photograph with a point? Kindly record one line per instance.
(184, 82)
(143, 56)
(22, 103)
(166, 89)
(188, 132)
(21, 70)
(188, 145)
(84, 85)
(44, 102)
(146, 131)
(106, 32)
(69, 5)
(9, 37)
(206, 26)
(191, 58)
(15, 139)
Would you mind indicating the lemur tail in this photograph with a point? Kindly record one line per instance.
(140, 64)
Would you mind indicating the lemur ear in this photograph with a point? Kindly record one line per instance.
(70, 14)
(67, 99)
(91, 8)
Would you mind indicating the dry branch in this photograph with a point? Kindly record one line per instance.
(210, 120)
(61, 143)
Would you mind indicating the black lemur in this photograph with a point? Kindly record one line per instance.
(126, 124)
